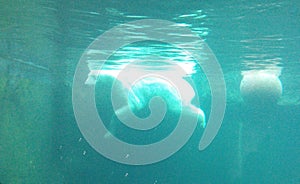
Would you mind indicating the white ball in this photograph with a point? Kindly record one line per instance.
(260, 88)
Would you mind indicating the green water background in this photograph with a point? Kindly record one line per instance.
(41, 43)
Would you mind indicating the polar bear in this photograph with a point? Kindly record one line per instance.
(136, 100)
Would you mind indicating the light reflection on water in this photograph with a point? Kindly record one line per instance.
(143, 52)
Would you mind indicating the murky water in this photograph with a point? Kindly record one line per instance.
(42, 43)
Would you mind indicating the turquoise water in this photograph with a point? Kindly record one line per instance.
(42, 42)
